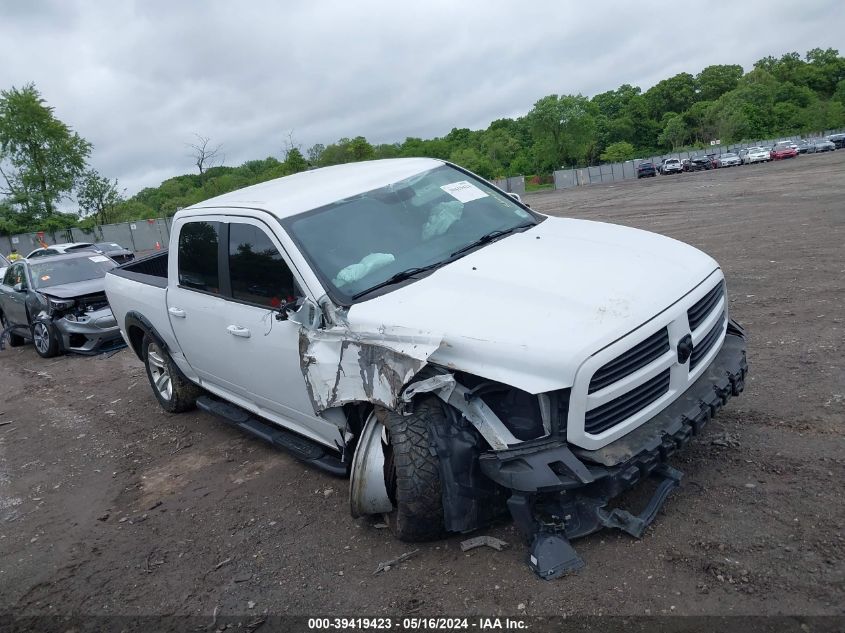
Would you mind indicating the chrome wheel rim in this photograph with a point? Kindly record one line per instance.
(159, 373)
(41, 337)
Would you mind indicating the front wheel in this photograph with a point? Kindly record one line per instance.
(173, 391)
(45, 340)
(412, 473)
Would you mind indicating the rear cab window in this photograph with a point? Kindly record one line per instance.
(199, 244)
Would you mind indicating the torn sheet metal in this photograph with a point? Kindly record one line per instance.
(475, 410)
(341, 365)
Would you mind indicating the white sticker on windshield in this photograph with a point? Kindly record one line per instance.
(463, 191)
(99, 258)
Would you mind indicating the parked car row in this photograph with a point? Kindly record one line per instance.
(55, 298)
(748, 156)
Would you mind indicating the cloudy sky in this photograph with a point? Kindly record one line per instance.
(138, 79)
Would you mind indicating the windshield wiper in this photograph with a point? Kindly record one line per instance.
(402, 275)
(489, 237)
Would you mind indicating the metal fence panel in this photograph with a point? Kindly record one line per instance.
(516, 184)
(565, 178)
(93, 234)
(618, 170)
(119, 233)
(629, 170)
(149, 235)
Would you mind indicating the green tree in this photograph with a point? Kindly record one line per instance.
(618, 152)
(471, 159)
(714, 81)
(674, 133)
(563, 128)
(675, 94)
(295, 161)
(41, 158)
(97, 196)
(361, 149)
(315, 153)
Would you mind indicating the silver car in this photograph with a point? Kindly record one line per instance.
(820, 145)
(729, 159)
(59, 303)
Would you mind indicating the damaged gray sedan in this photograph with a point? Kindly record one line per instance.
(59, 303)
(457, 354)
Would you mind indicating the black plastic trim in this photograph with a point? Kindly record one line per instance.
(137, 319)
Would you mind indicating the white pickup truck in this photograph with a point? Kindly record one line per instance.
(457, 354)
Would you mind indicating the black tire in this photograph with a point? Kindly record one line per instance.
(44, 339)
(15, 340)
(174, 392)
(412, 473)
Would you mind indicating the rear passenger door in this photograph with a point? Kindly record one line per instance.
(263, 351)
(195, 304)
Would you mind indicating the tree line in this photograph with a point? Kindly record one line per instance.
(44, 163)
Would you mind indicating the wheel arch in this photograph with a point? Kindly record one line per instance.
(136, 326)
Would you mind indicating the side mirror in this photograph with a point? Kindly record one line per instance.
(282, 312)
(18, 288)
(515, 196)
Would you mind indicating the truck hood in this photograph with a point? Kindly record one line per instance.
(75, 289)
(528, 309)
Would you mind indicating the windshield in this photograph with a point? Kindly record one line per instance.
(108, 247)
(358, 243)
(53, 272)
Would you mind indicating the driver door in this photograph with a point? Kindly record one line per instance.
(267, 349)
(14, 303)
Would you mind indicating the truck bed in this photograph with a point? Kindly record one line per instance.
(150, 270)
(140, 287)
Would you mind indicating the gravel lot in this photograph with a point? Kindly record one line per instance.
(108, 505)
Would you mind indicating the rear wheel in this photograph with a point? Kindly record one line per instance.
(412, 473)
(172, 390)
(44, 339)
(15, 340)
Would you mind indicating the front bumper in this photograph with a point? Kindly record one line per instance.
(559, 493)
(552, 465)
(96, 332)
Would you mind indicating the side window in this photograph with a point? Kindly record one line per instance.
(15, 275)
(198, 242)
(257, 270)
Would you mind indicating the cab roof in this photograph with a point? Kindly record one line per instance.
(284, 197)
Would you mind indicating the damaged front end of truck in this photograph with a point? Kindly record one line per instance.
(500, 449)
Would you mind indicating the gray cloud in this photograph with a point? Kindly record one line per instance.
(138, 79)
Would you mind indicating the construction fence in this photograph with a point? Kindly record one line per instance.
(141, 236)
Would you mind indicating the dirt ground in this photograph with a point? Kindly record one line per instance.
(108, 505)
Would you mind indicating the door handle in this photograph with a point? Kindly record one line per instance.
(179, 313)
(237, 330)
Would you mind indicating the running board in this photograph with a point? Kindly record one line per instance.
(298, 446)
